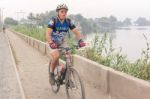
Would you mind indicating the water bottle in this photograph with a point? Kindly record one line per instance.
(61, 69)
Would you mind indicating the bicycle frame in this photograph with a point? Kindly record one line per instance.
(68, 56)
(66, 52)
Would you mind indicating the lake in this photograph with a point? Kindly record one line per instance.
(130, 39)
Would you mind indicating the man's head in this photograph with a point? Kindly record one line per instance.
(62, 10)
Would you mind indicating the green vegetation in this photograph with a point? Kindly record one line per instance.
(10, 21)
(103, 52)
(35, 32)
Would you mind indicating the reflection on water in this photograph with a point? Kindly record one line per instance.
(131, 40)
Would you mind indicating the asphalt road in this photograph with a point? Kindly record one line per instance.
(9, 86)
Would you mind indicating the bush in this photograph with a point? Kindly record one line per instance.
(103, 52)
(38, 33)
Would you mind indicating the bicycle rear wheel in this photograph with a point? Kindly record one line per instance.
(74, 85)
(56, 86)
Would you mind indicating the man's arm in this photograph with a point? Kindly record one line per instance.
(77, 33)
(48, 35)
(79, 37)
(74, 30)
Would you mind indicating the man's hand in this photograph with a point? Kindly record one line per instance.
(81, 43)
(53, 45)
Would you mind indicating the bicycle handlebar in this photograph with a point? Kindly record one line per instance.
(68, 48)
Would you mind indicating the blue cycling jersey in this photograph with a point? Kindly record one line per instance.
(60, 29)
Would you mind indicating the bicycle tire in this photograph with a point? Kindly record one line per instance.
(75, 73)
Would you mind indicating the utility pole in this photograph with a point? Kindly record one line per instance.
(2, 16)
(0, 19)
(18, 15)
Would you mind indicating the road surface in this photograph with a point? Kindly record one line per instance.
(9, 85)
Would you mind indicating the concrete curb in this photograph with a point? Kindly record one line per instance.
(15, 67)
(124, 86)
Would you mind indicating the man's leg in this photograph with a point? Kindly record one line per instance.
(54, 62)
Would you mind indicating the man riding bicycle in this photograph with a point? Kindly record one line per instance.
(57, 29)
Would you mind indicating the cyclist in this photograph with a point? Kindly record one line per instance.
(4, 29)
(58, 27)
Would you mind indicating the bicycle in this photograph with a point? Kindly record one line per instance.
(68, 77)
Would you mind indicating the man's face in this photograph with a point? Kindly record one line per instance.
(62, 14)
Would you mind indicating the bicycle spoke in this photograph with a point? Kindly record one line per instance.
(75, 94)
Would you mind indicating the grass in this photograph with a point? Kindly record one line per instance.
(102, 51)
(35, 32)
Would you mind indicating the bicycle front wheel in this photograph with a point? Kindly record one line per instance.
(74, 85)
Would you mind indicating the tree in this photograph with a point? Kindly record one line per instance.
(103, 24)
(10, 21)
(127, 22)
(112, 22)
(31, 16)
(141, 21)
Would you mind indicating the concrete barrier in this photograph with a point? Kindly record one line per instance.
(36, 44)
(26, 39)
(123, 86)
(47, 50)
(91, 72)
(42, 47)
(115, 84)
(31, 42)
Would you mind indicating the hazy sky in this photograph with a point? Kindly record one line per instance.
(88, 8)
